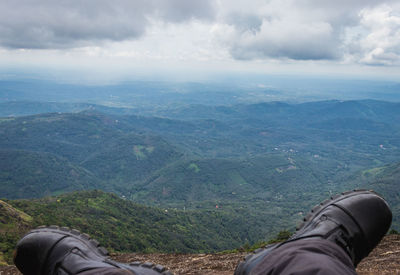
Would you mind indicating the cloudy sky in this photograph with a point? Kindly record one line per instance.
(358, 37)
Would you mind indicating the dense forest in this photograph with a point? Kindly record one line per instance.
(124, 226)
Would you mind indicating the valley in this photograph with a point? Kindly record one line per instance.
(229, 175)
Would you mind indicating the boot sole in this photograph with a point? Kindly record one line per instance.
(96, 248)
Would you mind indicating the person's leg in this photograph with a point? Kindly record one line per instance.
(106, 271)
(305, 257)
(54, 250)
(333, 238)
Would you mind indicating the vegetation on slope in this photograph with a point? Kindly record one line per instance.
(13, 224)
(82, 149)
(263, 164)
(36, 174)
(122, 225)
(271, 178)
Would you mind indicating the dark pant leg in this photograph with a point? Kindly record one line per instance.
(106, 271)
(306, 257)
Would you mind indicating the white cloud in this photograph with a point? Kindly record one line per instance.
(381, 44)
(165, 42)
(361, 31)
(283, 39)
(285, 29)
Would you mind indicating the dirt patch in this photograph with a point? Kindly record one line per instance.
(384, 260)
(190, 264)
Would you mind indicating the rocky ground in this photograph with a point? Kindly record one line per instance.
(384, 260)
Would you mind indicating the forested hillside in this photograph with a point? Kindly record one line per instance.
(122, 225)
(311, 145)
(244, 171)
(37, 174)
(90, 150)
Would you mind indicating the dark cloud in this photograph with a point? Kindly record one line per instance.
(183, 10)
(245, 22)
(70, 23)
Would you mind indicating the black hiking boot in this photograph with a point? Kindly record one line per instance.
(55, 250)
(355, 220)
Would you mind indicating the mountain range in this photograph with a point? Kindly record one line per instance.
(260, 165)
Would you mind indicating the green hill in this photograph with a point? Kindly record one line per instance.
(35, 174)
(272, 178)
(130, 158)
(122, 225)
(273, 190)
(50, 153)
